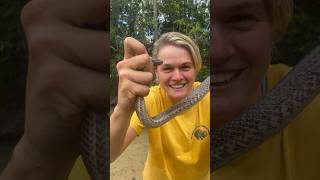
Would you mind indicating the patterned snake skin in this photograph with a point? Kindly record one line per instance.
(94, 144)
(186, 103)
(261, 121)
(269, 116)
(94, 135)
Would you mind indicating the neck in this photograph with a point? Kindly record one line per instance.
(219, 120)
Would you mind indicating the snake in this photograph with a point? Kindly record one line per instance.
(94, 132)
(179, 107)
(165, 116)
(94, 144)
(260, 122)
(269, 115)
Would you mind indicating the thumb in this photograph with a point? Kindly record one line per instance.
(133, 47)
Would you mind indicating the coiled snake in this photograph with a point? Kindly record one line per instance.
(261, 121)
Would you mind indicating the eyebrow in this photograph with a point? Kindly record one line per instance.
(183, 64)
(245, 5)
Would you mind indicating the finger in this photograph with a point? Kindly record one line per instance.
(96, 95)
(85, 47)
(87, 87)
(78, 12)
(80, 46)
(133, 47)
(128, 91)
(140, 62)
(132, 89)
(140, 77)
(63, 88)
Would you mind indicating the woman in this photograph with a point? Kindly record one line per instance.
(176, 151)
(243, 36)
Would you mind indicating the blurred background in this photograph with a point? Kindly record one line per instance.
(13, 70)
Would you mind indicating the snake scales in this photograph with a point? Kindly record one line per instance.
(171, 112)
(261, 121)
(269, 116)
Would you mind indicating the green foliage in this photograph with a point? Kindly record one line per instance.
(128, 18)
(13, 52)
(303, 33)
(189, 18)
(135, 18)
(204, 72)
(12, 41)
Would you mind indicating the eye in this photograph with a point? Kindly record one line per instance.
(243, 21)
(167, 69)
(185, 68)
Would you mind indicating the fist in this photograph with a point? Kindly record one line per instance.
(135, 74)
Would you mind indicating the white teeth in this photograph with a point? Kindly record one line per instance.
(177, 86)
(223, 77)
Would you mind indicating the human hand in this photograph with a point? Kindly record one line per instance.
(135, 74)
(67, 73)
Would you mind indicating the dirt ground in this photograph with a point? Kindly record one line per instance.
(129, 165)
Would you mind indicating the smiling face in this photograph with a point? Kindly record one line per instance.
(177, 73)
(241, 52)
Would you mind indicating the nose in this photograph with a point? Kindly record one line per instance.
(222, 48)
(177, 75)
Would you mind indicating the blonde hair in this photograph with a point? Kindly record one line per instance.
(179, 40)
(280, 12)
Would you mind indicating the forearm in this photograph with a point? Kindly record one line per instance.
(133, 83)
(119, 125)
(29, 163)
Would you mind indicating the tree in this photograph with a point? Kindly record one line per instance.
(137, 19)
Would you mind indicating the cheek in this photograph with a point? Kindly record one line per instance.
(190, 75)
(255, 43)
(255, 46)
(163, 78)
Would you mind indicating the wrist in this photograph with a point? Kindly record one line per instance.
(122, 111)
(29, 162)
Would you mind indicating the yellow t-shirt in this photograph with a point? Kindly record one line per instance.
(293, 154)
(179, 149)
(79, 172)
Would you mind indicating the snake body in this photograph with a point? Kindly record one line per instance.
(171, 112)
(269, 116)
(94, 135)
(262, 120)
(94, 144)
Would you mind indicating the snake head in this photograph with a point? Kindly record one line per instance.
(156, 62)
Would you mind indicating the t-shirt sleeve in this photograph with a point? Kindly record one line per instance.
(152, 102)
(79, 171)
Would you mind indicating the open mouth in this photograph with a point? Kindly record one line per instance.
(224, 78)
(177, 86)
